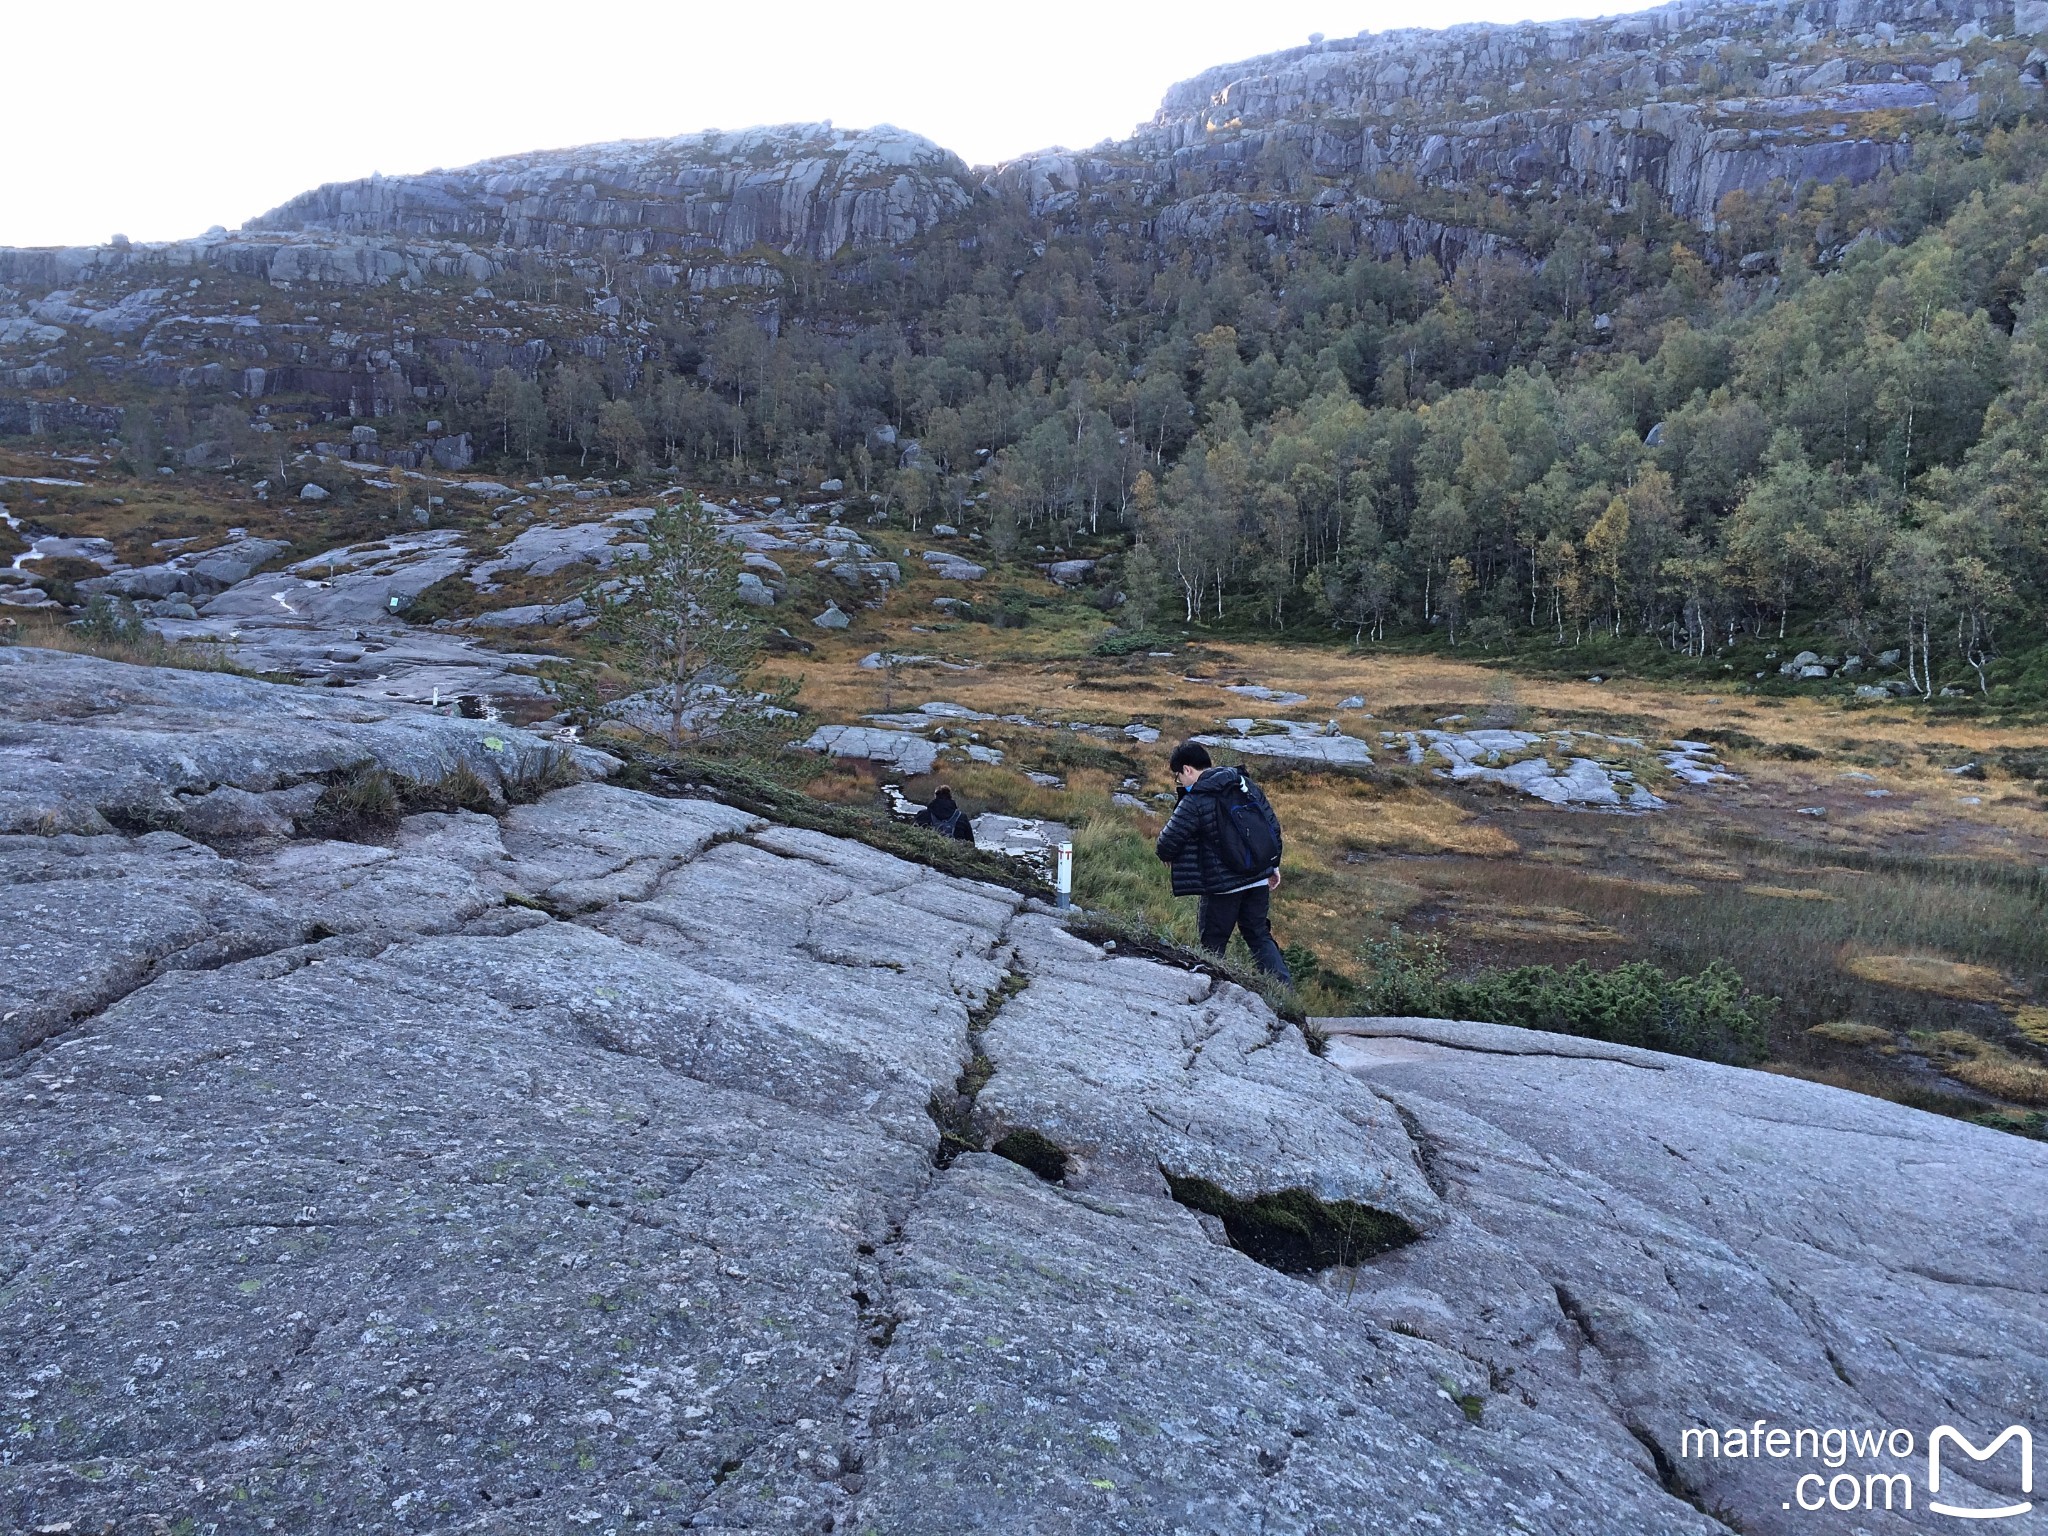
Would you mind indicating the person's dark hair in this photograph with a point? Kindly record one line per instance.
(1189, 754)
(943, 792)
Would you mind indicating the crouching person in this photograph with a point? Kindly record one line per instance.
(945, 817)
(1223, 842)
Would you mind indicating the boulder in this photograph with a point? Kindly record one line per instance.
(832, 618)
(311, 492)
(951, 567)
(907, 753)
(215, 570)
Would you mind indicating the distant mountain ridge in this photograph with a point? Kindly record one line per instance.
(1407, 141)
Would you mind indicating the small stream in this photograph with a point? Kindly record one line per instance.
(20, 561)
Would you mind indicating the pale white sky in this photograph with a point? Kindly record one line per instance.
(157, 120)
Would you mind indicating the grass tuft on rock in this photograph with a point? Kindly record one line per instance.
(360, 803)
(1036, 1151)
(1294, 1230)
(113, 631)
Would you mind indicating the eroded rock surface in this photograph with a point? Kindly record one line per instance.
(614, 1162)
(1681, 1246)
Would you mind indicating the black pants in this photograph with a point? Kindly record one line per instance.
(1245, 911)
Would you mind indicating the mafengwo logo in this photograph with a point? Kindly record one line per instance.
(1873, 1468)
(1947, 1434)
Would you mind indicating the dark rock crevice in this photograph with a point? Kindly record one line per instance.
(213, 953)
(1428, 1157)
(1674, 1481)
(1294, 1230)
(954, 1112)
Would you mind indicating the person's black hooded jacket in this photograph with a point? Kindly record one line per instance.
(1191, 840)
(945, 817)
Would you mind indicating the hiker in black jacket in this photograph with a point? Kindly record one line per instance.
(945, 817)
(1220, 828)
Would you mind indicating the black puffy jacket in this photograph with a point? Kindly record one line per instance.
(945, 817)
(1191, 840)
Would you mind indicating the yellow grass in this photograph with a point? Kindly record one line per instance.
(1789, 893)
(2004, 1077)
(1511, 924)
(1706, 869)
(1929, 973)
(1644, 887)
(1397, 820)
(2033, 1023)
(1848, 1032)
(1986, 1067)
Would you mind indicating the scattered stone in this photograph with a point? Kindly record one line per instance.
(1522, 760)
(1278, 697)
(1021, 837)
(832, 618)
(311, 492)
(1291, 741)
(951, 567)
(909, 754)
(1693, 762)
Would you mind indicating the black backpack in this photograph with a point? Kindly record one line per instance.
(1248, 832)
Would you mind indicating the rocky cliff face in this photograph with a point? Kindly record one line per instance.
(1683, 104)
(808, 190)
(1401, 139)
(615, 1162)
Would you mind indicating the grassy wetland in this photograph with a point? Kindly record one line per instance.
(1899, 931)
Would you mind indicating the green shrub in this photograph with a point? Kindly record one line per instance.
(553, 769)
(1122, 642)
(1711, 1016)
(113, 621)
(359, 804)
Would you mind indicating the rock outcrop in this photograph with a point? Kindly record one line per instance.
(805, 189)
(619, 1162)
(1614, 108)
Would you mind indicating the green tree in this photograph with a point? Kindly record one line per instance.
(519, 410)
(620, 434)
(574, 399)
(680, 630)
